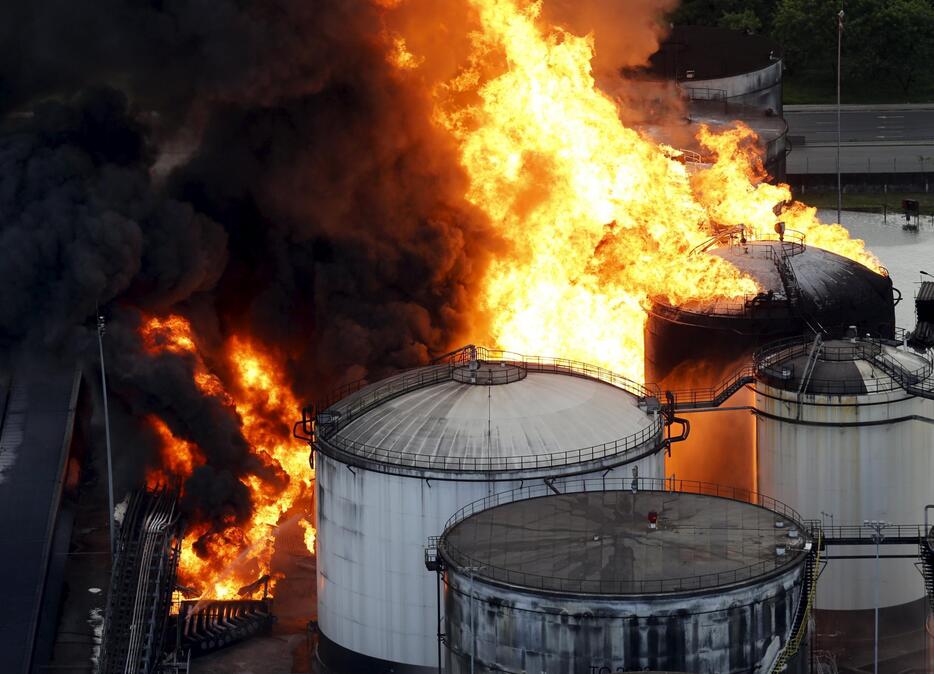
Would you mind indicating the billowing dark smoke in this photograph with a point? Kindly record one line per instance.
(311, 203)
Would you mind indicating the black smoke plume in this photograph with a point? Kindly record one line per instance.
(256, 166)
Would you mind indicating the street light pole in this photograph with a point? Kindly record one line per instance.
(110, 474)
(839, 51)
(877, 526)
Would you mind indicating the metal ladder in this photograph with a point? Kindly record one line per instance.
(809, 369)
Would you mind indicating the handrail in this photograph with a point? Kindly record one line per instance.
(353, 400)
(859, 534)
(801, 616)
(458, 557)
(791, 241)
(714, 396)
(771, 365)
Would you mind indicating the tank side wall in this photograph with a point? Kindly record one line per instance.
(520, 631)
(720, 447)
(853, 473)
(375, 595)
(759, 89)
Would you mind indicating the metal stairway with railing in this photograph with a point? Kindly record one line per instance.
(922, 387)
(799, 626)
(926, 553)
(703, 398)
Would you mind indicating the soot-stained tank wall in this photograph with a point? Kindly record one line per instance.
(699, 345)
(728, 631)
(833, 293)
(393, 475)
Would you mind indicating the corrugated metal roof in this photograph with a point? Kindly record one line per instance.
(926, 292)
(36, 429)
(541, 414)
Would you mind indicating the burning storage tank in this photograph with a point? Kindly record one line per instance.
(845, 431)
(396, 458)
(700, 345)
(625, 575)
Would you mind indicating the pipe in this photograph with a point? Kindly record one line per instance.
(110, 473)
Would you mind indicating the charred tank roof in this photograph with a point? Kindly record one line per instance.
(598, 540)
(803, 289)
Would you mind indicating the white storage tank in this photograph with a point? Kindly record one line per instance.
(396, 458)
(610, 576)
(845, 434)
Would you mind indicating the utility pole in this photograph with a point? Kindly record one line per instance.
(110, 474)
(839, 51)
(877, 526)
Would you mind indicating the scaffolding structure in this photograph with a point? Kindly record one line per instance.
(141, 586)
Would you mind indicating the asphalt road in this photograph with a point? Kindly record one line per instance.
(878, 139)
(861, 124)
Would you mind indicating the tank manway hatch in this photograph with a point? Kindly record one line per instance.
(485, 373)
(655, 574)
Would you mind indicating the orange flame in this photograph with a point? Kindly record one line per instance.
(600, 218)
(178, 457)
(238, 555)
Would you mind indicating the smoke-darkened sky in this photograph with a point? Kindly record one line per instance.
(311, 202)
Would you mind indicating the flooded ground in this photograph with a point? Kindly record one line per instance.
(902, 252)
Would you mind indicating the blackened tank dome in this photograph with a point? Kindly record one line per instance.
(803, 289)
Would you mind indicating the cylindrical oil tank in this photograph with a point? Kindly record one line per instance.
(845, 434)
(396, 458)
(617, 575)
(699, 345)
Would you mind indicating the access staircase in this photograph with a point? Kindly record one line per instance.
(926, 553)
(922, 387)
(703, 398)
(799, 626)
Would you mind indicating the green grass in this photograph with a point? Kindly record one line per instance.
(873, 202)
(814, 88)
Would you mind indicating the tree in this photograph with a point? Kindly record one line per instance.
(807, 31)
(746, 21)
(892, 39)
(736, 14)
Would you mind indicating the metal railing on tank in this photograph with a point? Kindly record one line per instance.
(791, 241)
(615, 449)
(459, 558)
(353, 400)
(713, 396)
(771, 364)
